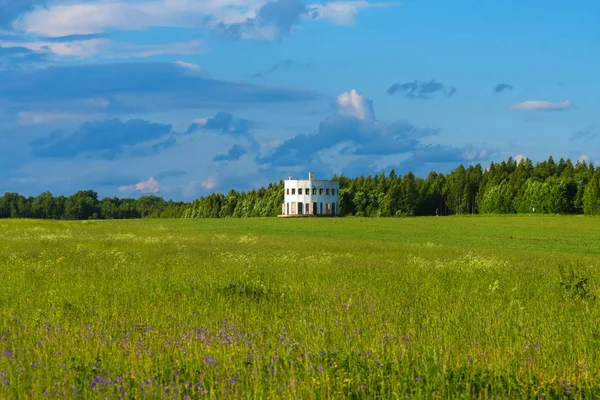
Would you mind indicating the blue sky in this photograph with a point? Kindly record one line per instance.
(180, 98)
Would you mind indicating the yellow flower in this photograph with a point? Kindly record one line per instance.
(60, 259)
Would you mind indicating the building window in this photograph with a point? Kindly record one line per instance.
(327, 192)
(299, 190)
(288, 192)
(293, 192)
(314, 191)
(321, 191)
(333, 192)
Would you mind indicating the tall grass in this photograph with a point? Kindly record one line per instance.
(426, 308)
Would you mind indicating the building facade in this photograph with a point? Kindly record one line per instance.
(311, 197)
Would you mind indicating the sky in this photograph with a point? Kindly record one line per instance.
(181, 98)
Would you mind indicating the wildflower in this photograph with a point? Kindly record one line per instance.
(416, 379)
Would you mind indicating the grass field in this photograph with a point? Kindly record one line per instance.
(473, 307)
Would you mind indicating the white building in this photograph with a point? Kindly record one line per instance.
(311, 197)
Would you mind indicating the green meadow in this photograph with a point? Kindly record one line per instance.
(315, 308)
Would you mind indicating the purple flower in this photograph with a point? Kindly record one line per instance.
(564, 383)
(95, 382)
(8, 354)
(416, 379)
(210, 360)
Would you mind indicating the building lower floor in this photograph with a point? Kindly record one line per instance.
(314, 208)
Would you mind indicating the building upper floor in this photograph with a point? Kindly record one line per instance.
(311, 188)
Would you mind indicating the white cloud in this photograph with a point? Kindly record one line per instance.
(542, 105)
(353, 104)
(189, 66)
(471, 154)
(149, 186)
(209, 183)
(82, 49)
(342, 12)
(191, 189)
(110, 49)
(200, 121)
(519, 158)
(64, 17)
(583, 157)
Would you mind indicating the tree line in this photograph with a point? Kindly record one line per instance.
(85, 205)
(507, 187)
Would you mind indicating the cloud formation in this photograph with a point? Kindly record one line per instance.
(232, 18)
(519, 158)
(274, 19)
(588, 133)
(354, 131)
(542, 105)
(421, 90)
(233, 154)
(150, 186)
(127, 87)
(11, 9)
(352, 104)
(501, 87)
(101, 139)
(226, 124)
(240, 129)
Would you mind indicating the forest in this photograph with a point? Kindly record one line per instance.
(507, 187)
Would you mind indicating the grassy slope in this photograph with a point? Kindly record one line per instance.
(298, 307)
